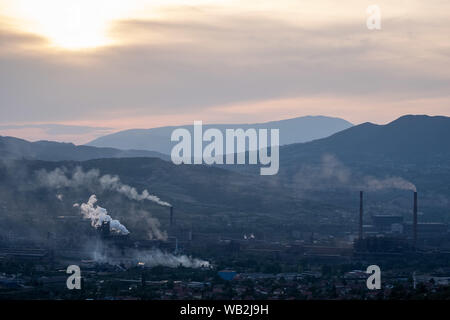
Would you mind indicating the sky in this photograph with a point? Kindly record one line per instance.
(99, 66)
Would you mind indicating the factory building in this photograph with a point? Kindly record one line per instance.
(387, 223)
(389, 232)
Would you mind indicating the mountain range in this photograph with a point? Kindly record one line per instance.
(14, 148)
(411, 139)
(302, 129)
(408, 139)
(317, 184)
(415, 147)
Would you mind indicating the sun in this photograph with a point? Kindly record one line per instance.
(70, 24)
(83, 24)
(74, 27)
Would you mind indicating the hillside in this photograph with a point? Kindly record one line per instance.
(410, 139)
(208, 199)
(14, 148)
(317, 185)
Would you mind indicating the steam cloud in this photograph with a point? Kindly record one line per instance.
(389, 183)
(61, 178)
(58, 179)
(332, 173)
(150, 258)
(154, 232)
(92, 180)
(99, 215)
(158, 258)
(113, 183)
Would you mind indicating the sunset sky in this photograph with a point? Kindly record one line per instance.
(105, 65)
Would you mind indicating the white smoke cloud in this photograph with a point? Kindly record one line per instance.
(150, 258)
(99, 215)
(154, 232)
(113, 183)
(332, 168)
(60, 178)
(373, 183)
(330, 172)
(158, 258)
(93, 180)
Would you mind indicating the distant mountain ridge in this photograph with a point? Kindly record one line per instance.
(328, 172)
(302, 129)
(14, 148)
(410, 138)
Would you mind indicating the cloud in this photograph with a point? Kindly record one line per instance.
(213, 59)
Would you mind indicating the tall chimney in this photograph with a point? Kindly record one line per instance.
(415, 219)
(171, 216)
(105, 229)
(360, 215)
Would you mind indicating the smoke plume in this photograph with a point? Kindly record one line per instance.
(99, 215)
(113, 183)
(331, 173)
(154, 231)
(58, 179)
(149, 258)
(389, 183)
(158, 258)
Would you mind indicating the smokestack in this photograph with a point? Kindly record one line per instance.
(171, 216)
(360, 215)
(415, 219)
(143, 282)
(105, 229)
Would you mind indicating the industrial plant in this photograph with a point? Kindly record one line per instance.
(108, 252)
(392, 233)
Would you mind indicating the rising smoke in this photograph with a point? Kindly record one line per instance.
(99, 215)
(113, 183)
(158, 258)
(61, 178)
(330, 172)
(372, 183)
(151, 258)
(92, 180)
(154, 231)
